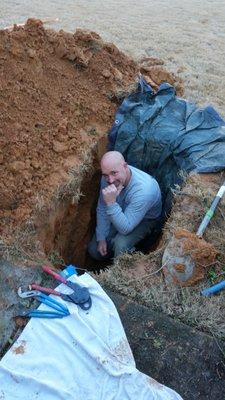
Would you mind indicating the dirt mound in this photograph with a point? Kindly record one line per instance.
(187, 258)
(58, 95)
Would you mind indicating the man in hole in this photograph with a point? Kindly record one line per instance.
(129, 207)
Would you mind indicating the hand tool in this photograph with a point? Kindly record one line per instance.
(81, 295)
(61, 309)
(67, 297)
(23, 312)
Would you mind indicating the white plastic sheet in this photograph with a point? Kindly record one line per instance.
(85, 356)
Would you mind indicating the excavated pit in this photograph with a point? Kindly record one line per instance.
(58, 96)
(70, 226)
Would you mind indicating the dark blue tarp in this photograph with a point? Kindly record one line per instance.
(163, 134)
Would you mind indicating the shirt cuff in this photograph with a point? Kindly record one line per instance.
(112, 208)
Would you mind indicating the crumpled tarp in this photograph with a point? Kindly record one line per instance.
(162, 134)
(84, 356)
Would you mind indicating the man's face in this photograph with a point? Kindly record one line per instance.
(115, 173)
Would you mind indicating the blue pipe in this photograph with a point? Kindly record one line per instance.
(213, 289)
(69, 271)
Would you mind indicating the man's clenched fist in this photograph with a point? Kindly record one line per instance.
(110, 193)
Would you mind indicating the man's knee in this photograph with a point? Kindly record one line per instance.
(121, 244)
(92, 249)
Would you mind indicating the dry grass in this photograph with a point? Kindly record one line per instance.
(22, 246)
(190, 205)
(188, 36)
(71, 189)
(186, 304)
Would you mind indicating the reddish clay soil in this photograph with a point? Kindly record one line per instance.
(202, 254)
(58, 95)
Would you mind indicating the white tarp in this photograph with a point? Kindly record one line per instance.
(85, 356)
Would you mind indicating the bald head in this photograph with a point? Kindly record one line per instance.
(112, 158)
(115, 169)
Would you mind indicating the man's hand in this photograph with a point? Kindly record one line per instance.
(110, 193)
(102, 247)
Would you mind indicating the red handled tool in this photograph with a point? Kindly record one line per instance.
(80, 295)
(66, 297)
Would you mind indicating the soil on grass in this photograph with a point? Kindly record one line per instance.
(58, 95)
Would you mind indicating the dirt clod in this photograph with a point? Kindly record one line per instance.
(20, 349)
(187, 258)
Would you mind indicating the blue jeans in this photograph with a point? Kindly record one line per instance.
(118, 244)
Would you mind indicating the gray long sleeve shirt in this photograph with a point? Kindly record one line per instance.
(139, 200)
